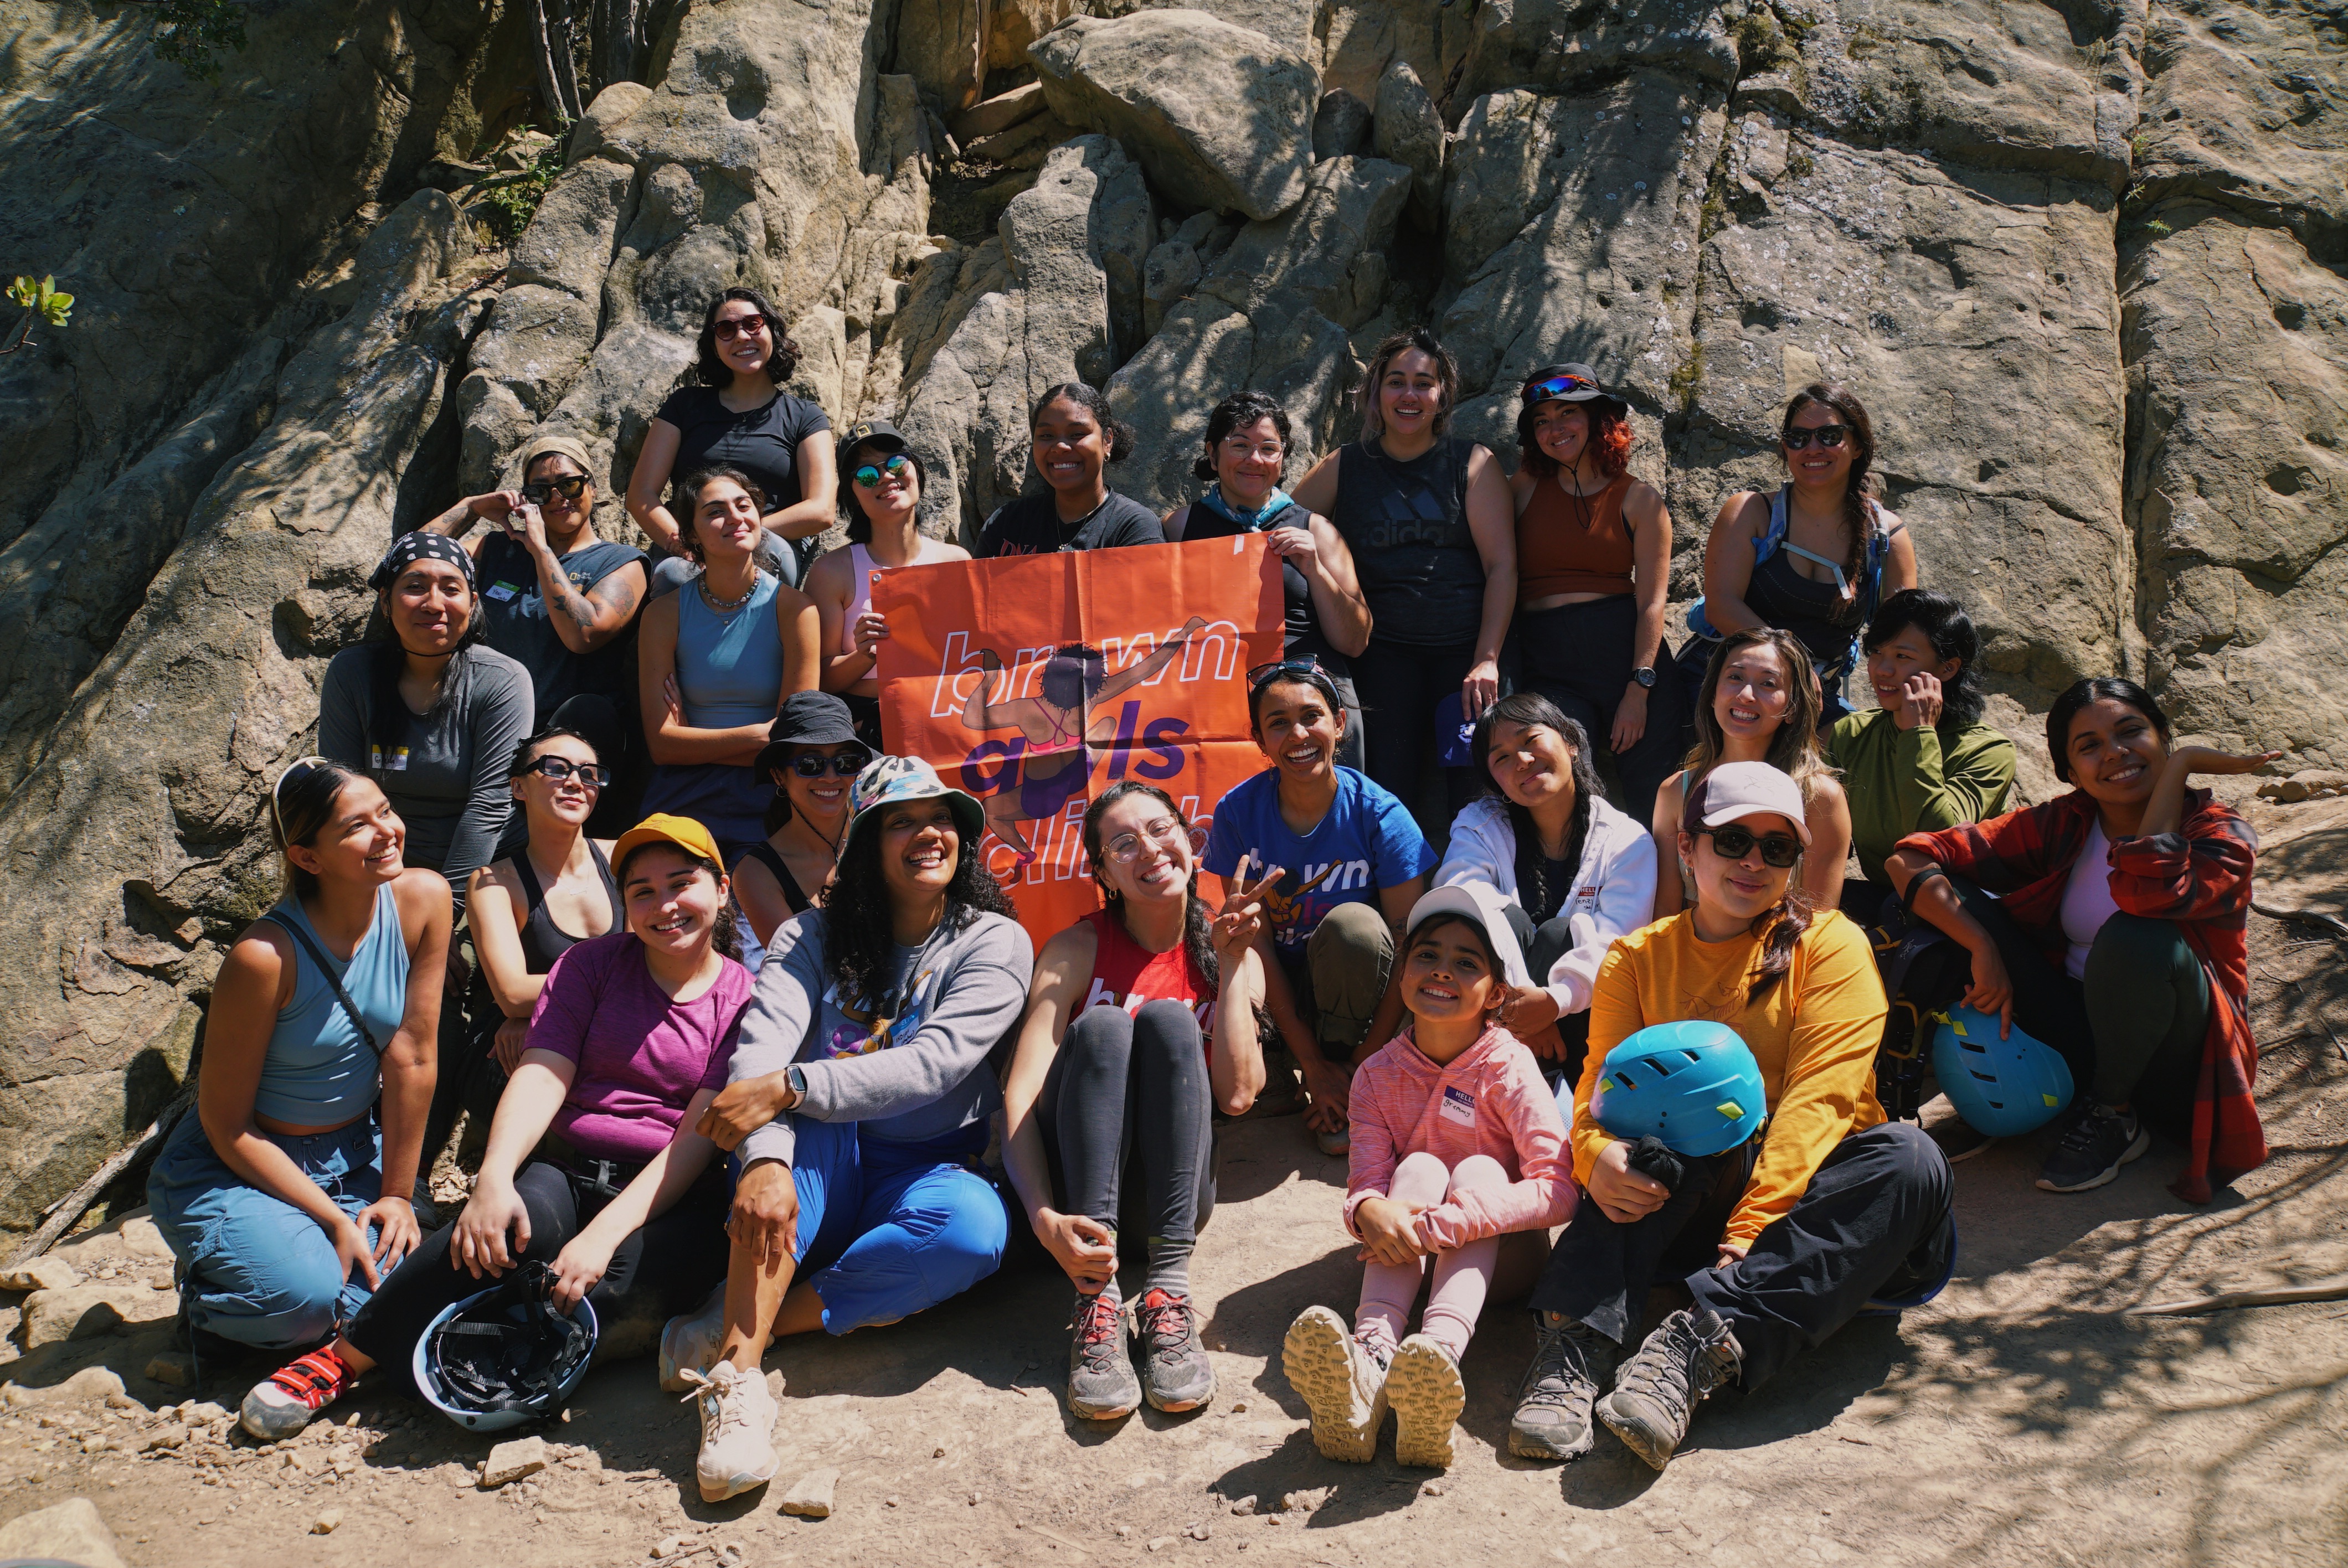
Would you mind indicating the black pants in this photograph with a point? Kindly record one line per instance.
(2132, 1032)
(1579, 657)
(1400, 686)
(1874, 1223)
(665, 1268)
(1133, 1089)
(1543, 946)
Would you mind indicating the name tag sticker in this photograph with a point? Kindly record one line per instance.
(1459, 1106)
(501, 592)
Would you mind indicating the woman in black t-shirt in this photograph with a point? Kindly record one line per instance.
(1433, 530)
(1072, 438)
(737, 417)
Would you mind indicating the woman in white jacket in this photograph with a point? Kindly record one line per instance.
(1574, 872)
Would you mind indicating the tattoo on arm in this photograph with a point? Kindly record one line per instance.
(575, 604)
(614, 594)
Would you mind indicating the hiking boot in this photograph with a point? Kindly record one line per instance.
(737, 1430)
(1958, 1139)
(283, 1403)
(1692, 1353)
(1174, 1373)
(1342, 1381)
(1425, 1387)
(1571, 1360)
(692, 1341)
(2094, 1150)
(1101, 1384)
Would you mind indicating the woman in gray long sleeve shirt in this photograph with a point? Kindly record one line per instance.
(429, 715)
(858, 1101)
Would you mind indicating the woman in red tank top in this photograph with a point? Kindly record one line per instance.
(1140, 1025)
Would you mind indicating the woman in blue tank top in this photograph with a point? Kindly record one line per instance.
(310, 1107)
(714, 663)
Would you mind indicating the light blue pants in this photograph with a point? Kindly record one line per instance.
(254, 1268)
(887, 1229)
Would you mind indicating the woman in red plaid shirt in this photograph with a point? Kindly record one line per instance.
(2115, 934)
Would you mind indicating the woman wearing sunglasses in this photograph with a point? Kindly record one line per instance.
(286, 1197)
(882, 499)
(1782, 1239)
(1141, 1026)
(739, 417)
(555, 599)
(813, 754)
(1817, 557)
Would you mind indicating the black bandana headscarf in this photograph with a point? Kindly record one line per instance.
(409, 549)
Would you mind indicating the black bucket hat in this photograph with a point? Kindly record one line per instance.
(1569, 384)
(807, 718)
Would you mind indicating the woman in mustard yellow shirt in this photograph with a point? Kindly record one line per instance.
(1827, 1210)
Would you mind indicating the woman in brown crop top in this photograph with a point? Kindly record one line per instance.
(1593, 558)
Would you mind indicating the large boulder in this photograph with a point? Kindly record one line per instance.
(69, 1532)
(1222, 116)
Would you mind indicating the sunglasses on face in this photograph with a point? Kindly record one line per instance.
(1166, 833)
(869, 476)
(741, 326)
(589, 774)
(568, 486)
(1827, 436)
(1558, 386)
(1777, 851)
(847, 765)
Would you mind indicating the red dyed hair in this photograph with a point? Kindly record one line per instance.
(1610, 440)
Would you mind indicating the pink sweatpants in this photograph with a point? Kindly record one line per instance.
(1462, 1278)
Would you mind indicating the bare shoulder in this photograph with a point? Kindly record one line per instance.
(1747, 509)
(1070, 952)
(828, 578)
(421, 894)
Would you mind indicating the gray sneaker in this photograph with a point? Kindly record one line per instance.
(1101, 1384)
(1175, 1372)
(1688, 1355)
(1571, 1360)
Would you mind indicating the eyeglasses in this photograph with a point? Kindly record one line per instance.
(568, 486)
(1558, 386)
(1165, 833)
(1828, 435)
(589, 774)
(740, 326)
(301, 765)
(814, 766)
(1732, 842)
(869, 475)
(1307, 669)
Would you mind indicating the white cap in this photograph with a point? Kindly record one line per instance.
(1735, 790)
(1484, 906)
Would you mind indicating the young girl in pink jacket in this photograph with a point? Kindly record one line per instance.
(1456, 1143)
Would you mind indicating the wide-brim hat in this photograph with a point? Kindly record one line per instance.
(892, 780)
(1482, 907)
(807, 718)
(1579, 384)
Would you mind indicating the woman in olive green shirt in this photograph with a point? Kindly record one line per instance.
(1922, 760)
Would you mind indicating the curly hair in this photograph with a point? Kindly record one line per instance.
(1447, 372)
(1530, 708)
(1609, 440)
(688, 491)
(1858, 508)
(1093, 400)
(1196, 944)
(715, 372)
(859, 941)
(1237, 412)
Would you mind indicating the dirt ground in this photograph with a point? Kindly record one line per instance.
(2017, 1418)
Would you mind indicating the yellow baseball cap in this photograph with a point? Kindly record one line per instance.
(663, 828)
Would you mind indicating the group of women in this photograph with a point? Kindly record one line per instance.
(711, 1158)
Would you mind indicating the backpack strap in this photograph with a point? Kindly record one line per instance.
(318, 957)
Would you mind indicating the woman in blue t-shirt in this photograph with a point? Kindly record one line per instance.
(1351, 862)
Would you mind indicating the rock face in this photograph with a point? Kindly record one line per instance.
(2083, 263)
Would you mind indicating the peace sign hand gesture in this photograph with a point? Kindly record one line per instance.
(1240, 919)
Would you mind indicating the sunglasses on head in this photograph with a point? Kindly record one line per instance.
(1558, 386)
(740, 326)
(300, 767)
(869, 475)
(590, 775)
(1306, 669)
(1733, 843)
(1827, 436)
(567, 485)
(814, 766)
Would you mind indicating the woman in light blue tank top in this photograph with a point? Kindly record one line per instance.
(715, 662)
(285, 1196)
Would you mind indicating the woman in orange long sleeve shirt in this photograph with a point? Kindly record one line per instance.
(1788, 1236)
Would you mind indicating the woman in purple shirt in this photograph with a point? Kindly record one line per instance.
(630, 1040)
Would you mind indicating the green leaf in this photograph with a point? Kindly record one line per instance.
(23, 291)
(57, 307)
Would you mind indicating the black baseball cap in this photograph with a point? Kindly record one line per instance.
(877, 433)
(1566, 383)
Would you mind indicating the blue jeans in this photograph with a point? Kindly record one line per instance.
(254, 1268)
(887, 1229)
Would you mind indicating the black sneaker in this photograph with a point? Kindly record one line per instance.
(1101, 1384)
(1569, 1360)
(2094, 1150)
(1692, 1353)
(1175, 1372)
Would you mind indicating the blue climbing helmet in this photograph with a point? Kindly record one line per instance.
(504, 1356)
(2000, 1086)
(1695, 1085)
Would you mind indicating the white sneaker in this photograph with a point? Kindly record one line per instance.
(737, 1431)
(693, 1340)
(1342, 1385)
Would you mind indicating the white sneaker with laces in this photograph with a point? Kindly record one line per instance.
(737, 1431)
(693, 1340)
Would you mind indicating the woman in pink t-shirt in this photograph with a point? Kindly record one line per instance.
(620, 1196)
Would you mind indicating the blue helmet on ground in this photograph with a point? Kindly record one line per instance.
(2000, 1086)
(1695, 1085)
(504, 1356)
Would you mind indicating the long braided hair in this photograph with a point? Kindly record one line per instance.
(1857, 515)
(1196, 944)
(1530, 709)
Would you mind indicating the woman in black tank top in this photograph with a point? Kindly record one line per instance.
(812, 754)
(1432, 529)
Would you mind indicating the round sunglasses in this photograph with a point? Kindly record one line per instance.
(1732, 842)
(1827, 435)
(869, 475)
(732, 327)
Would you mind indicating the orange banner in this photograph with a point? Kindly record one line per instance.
(1035, 681)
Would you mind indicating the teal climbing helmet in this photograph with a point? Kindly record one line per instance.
(2000, 1086)
(1695, 1085)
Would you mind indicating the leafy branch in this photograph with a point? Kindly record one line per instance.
(196, 31)
(40, 301)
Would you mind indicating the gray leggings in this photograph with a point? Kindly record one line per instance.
(1133, 1088)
